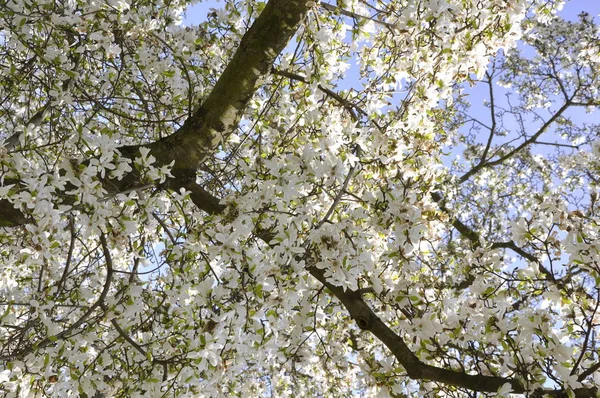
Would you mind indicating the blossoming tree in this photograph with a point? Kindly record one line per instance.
(216, 211)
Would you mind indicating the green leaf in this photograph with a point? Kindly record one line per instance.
(258, 289)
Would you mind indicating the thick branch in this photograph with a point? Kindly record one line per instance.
(220, 113)
(218, 116)
(366, 319)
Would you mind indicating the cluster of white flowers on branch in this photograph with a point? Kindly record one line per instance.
(202, 210)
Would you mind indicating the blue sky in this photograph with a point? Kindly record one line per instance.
(574, 7)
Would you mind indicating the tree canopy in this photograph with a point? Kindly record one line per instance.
(297, 198)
